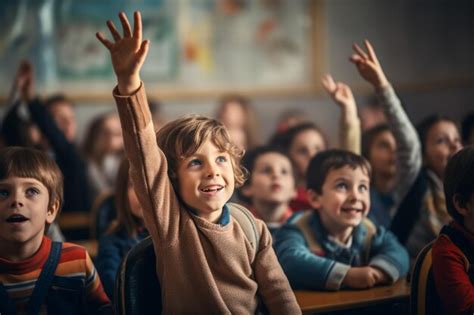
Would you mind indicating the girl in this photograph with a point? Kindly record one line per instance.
(123, 233)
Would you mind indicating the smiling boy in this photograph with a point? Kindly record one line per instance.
(184, 176)
(36, 274)
(335, 245)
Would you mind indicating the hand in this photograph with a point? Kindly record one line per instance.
(341, 93)
(24, 81)
(361, 277)
(382, 277)
(368, 65)
(128, 53)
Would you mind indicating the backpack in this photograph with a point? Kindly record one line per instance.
(247, 222)
(303, 223)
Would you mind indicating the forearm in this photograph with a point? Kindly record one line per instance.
(349, 131)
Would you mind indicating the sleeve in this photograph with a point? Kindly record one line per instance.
(273, 286)
(408, 145)
(96, 299)
(108, 262)
(350, 133)
(304, 269)
(452, 282)
(12, 122)
(148, 168)
(388, 254)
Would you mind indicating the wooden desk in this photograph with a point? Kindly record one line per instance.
(318, 301)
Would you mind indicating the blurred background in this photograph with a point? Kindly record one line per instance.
(272, 51)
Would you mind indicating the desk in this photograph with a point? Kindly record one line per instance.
(319, 301)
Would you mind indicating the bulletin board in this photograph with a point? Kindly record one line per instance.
(198, 47)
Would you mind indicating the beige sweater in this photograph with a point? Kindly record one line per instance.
(202, 267)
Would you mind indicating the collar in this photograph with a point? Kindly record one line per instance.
(224, 218)
(34, 262)
(468, 235)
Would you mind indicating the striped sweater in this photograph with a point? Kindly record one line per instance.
(75, 280)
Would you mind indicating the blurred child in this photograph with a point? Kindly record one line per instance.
(393, 150)
(36, 273)
(238, 116)
(334, 245)
(103, 150)
(453, 251)
(183, 177)
(423, 212)
(270, 186)
(123, 233)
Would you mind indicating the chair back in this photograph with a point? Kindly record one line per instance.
(424, 299)
(137, 288)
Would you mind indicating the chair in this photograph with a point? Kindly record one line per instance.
(424, 299)
(137, 288)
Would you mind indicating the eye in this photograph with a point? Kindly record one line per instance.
(363, 188)
(194, 163)
(32, 191)
(4, 193)
(221, 159)
(341, 186)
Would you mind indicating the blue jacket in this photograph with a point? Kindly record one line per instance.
(112, 249)
(321, 264)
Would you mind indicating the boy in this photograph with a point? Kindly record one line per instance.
(270, 187)
(453, 251)
(183, 177)
(37, 275)
(335, 245)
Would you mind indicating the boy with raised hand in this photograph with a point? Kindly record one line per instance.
(334, 245)
(184, 176)
(36, 274)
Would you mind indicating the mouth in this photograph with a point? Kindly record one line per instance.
(213, 189)
(275, 187)
(352, 210)
(16, 218)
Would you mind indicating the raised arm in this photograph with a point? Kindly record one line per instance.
(408, 146)
(349, 129)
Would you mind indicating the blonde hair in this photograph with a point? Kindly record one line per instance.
(32, 163)
(182, 137)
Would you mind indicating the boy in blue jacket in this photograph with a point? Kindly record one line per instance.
(335, 245)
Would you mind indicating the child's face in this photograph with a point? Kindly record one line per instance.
(111, 138)
(64, 116)
(24, 210)
(442, 142)
(383, 154)
(206, 180)
(272, 180)
(305, 145)
(344, 200)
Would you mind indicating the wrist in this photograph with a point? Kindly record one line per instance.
(129, 84)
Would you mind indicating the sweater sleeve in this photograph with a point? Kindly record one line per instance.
(452, 282)
(273, 286)
(148, 168)
(304, 269)
(408, 145)
(388, 254)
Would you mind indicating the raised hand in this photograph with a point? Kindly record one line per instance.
(368, 65)
(128, 52)
(340, 92)
(24, 81)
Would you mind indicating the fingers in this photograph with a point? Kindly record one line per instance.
(328, 83)
(115, 34)
(359, 51)
(143, 51)
(137, 26)
(127, 31)
(371, 51)
(104, 40)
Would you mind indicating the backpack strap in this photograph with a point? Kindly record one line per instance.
(247, 222)
(44, 280)
(460, 241)
(303, 224)
(7, 306)
(371, 229)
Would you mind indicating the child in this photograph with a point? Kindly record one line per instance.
(270, 187)
(205, 261)
(423, 212)
(453, 251)
(334, 245)
(37, 274)
(393, 150)
(123, 233)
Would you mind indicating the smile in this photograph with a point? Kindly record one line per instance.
(16, 218)
(212, 189)
(352, 210)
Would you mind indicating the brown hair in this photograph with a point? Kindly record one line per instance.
(31, 163)
(125, 220)
(182, 137)
(250, 128)
(334, 159)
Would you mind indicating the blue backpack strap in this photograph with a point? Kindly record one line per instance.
(44, 280)
(7, 306)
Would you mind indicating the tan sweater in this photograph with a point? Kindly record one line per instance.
(202, 267)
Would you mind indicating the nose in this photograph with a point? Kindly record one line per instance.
(17, 201)
(212, 170)
(455, 146)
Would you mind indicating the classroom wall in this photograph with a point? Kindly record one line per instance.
(426, 48)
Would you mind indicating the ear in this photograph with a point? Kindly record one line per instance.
(314, 199)
(460, 205)
(52, 212)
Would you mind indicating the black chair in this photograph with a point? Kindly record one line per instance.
(137, 288)
(424, 299)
